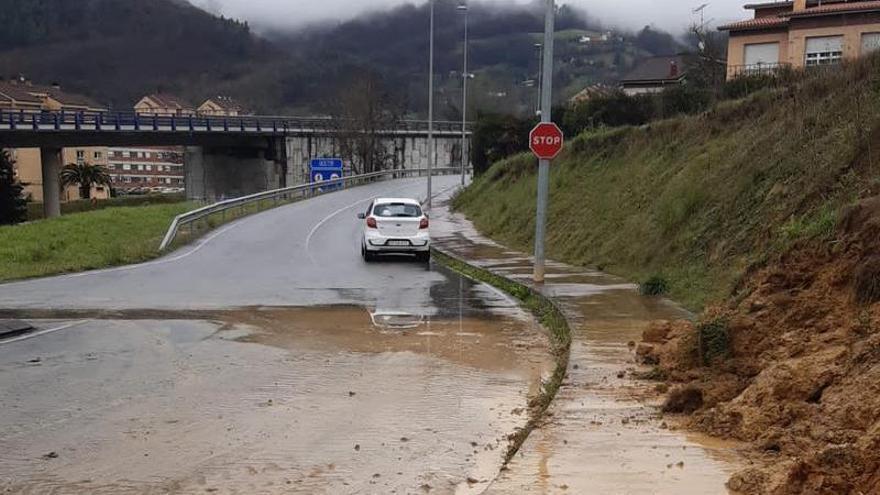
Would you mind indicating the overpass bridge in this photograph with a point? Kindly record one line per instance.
(225, 156)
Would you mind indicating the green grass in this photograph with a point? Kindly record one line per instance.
(84, 241)
(35, 210)
(697, 200)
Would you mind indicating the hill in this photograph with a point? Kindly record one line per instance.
(118, 50)
(764, 212)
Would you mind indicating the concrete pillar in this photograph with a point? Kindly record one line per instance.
(194, 172)
(50, 159)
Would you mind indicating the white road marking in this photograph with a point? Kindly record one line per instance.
(44, 332)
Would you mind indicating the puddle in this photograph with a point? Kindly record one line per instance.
(311, 400)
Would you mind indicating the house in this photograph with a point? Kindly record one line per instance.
(590, 92)
(654, 74)
(802, 33)
(224, 106)
(165, 105)
(23, 95)
(146, 168)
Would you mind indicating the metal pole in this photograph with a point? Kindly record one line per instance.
(430, 106)
(465, 157)
(544, 165)
(540, 51)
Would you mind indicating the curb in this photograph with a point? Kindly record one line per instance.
(548, 314)
(14, 328)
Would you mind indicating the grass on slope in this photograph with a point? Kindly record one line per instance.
(84, 241)
(698, 200)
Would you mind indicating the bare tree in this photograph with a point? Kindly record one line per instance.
(362, 110)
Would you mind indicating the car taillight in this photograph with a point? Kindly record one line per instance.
(371, 223)
(423, 224)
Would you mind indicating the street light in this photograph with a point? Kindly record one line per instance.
(430, 104)
(463, 8)
(539, 47)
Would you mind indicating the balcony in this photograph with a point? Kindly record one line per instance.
(735, 71)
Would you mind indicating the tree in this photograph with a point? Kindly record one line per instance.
(13, 207)
(497, 137)
(361, 110)
(84, 176)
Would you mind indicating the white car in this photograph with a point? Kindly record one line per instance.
(395, 226)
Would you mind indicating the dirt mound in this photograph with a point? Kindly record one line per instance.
(801, 375)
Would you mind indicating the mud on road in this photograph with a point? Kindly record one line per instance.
(312, 400)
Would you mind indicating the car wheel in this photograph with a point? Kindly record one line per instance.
(424, 257)
(368, 256)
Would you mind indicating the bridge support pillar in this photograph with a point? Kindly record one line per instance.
(50, 159)
(217, 173)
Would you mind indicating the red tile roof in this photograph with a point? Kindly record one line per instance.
(837, 8)
(759, 23)
(170, 101)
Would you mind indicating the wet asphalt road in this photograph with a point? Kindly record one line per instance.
(307, 253)
(251, 362)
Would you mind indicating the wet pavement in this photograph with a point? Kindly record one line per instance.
(266, 358)
(603, 435)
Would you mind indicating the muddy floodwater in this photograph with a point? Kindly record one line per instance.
(603, 434)
(314, 400)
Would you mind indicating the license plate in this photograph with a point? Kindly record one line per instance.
(398, 243)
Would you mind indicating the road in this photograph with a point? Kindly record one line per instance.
(266, 358)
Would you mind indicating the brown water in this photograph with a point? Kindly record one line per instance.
(604, 434)
(319, 400)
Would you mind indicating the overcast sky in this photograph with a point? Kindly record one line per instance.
(672, 15)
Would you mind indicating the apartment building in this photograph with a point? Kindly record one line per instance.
(802, 33)
(146, 169)
(164, 105)
(25, 96)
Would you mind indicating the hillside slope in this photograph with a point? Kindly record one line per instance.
(766, 212)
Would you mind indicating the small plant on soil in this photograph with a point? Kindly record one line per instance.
(713, 340)
(867, 281)
(654, 286)
(683, 400)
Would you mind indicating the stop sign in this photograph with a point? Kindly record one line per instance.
(546, 140)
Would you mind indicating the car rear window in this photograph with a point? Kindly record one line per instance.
(397, 210)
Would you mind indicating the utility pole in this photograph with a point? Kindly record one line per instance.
(543, 164)
(430, 106)
(464, 75)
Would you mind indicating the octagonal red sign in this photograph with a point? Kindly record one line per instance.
(546, 140)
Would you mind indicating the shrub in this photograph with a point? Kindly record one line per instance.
(654, 286)
(867, 281)
(713, 340)
(683, 400)
(13, 207)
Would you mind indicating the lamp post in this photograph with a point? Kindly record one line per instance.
(430, 104)
(463, 8)
(539, 48)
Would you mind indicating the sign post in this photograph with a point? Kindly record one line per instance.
(324, 170)
(545, 141)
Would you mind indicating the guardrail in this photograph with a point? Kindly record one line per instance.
(287, 194)
(23, 120)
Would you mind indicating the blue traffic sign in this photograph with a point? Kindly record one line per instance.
(326, 169)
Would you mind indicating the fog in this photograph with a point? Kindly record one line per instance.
(671, 15)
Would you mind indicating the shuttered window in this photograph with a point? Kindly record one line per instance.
(762, 54)
(824, 50)
(870, 42)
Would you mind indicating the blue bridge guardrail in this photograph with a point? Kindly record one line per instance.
(286, 194)
(22, 120)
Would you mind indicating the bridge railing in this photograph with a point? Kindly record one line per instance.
(287, 194)
(23, 120)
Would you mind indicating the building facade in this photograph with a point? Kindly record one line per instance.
(164, 105)
(146, 169)
(25, 96)
(802, 33)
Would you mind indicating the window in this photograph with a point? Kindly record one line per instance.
(98, 155)
(397, 210)
(126, 166)
(824, 50)
(759, 54)
(870, 43)
(126, 154)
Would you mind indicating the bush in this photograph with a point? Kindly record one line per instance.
(683, 400)
(654, 286)
(713, 340)
(13, 207)
(867, 281)
(497, 137)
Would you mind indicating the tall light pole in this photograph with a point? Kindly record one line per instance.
(544, 165)
(539, 49)
(430, 104)
(464, 78)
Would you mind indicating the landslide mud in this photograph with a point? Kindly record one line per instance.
(315, 400)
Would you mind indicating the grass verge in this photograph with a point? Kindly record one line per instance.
(85, 241)
(549, 315)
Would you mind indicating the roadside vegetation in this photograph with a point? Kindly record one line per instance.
(697, 200)
(764, 213)
(84, 241)
(35, 209)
